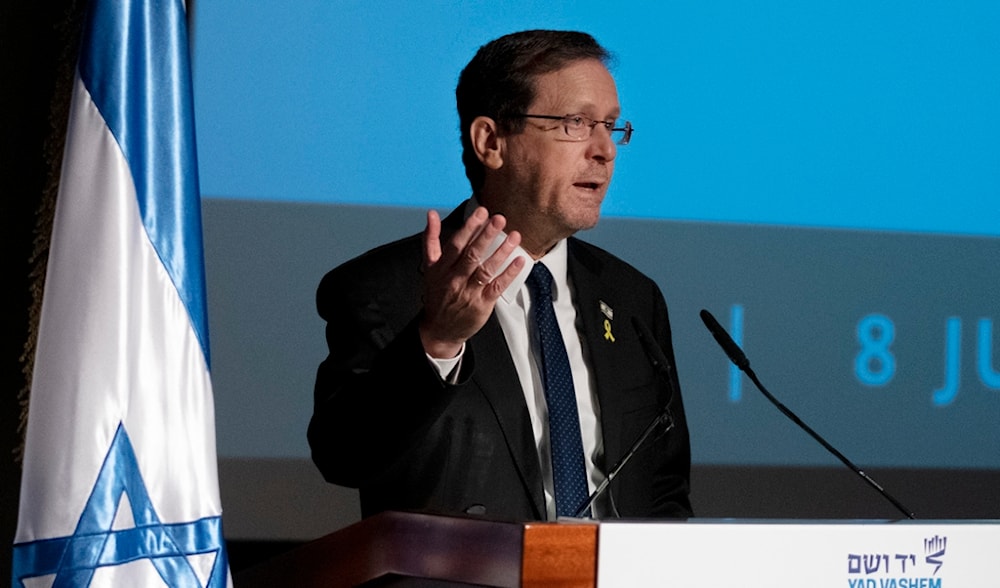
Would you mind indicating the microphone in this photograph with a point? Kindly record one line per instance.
(732, 350)
(739, 358)
(665, 369)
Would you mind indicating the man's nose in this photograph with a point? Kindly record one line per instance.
(602, 147)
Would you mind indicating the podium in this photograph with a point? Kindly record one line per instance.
(408, 549)
(404, 549)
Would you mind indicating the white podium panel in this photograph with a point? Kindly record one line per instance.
(862, 554)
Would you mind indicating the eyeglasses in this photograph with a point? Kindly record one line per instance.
(580, 128)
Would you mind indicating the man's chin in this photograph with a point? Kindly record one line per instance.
(584, 223)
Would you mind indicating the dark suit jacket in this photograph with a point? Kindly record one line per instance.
(384, 422)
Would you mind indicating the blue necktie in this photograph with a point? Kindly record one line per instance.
(568, 471)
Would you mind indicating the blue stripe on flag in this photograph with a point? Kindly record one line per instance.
(136, 67)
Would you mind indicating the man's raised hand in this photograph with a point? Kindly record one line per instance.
(460, 286)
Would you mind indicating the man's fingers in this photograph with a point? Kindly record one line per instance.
(489, 272)
(460, 241)
(481, 277)
(502, 251)
(495, 288)
(460, 290)
(432, 239)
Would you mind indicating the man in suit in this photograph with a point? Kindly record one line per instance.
(463, 377)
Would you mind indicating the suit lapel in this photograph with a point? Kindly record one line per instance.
(595, 304)
(497, 377)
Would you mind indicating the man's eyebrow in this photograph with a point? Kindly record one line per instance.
(588, 110)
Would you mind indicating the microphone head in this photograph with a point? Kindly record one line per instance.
(732, 350)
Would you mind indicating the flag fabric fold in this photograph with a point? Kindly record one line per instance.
(120, 483)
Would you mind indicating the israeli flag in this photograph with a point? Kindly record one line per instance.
(120, 484)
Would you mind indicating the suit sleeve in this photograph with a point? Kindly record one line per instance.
(376, 393)
(671, 480)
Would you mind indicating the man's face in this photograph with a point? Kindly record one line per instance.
(554, 185)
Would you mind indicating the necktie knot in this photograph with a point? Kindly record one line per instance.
(540, 282)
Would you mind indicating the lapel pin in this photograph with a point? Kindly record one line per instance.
(610, 314)
(607, 310)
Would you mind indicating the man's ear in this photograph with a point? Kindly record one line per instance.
(487, 142)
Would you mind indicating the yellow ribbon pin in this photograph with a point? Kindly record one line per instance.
(607, 331)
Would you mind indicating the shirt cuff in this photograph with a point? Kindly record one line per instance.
(448, 369)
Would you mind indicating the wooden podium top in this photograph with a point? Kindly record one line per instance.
(394, 547)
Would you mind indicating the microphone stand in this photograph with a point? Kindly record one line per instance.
(739, 358)
(659, 362)
(664, 418)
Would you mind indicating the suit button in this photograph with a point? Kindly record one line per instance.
(476, 509)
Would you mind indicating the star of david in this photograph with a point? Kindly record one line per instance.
(96, 543)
